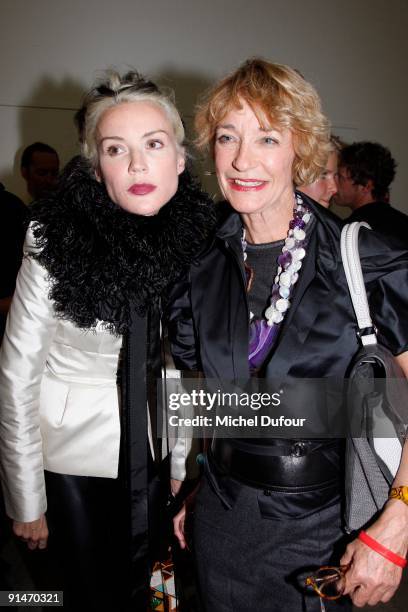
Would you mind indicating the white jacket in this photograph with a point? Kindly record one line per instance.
(59, 404)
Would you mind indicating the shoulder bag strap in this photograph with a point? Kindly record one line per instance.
(352, 268)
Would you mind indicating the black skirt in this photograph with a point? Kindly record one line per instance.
(247, 561)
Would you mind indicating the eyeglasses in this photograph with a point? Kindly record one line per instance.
(328, 582)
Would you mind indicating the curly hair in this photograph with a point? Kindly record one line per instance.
(114, 89)
(282, 96)
(367, 161)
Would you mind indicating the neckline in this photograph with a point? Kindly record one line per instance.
(265, 245)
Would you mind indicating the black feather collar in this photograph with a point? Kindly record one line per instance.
(100, 258)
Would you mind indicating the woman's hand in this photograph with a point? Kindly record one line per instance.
(372, 578)
(178, 524)
(34, 533)
(180, 519)
(175, 486)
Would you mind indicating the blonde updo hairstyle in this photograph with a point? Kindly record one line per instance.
(282, 97)
(112, 90)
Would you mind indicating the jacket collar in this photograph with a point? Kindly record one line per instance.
(229, 221)
(102, 259)
(323, 256)
(323, 248)
(323, 253)
(327, 228)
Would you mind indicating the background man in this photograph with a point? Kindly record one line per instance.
(365, 173)
(39, 167)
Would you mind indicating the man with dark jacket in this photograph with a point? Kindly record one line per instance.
(366, 171)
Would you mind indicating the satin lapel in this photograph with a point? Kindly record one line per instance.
(299, 323)
(234, 243)
(153, 375)
(135, 451)
(307, 275)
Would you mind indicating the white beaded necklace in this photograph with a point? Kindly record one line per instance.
(263, 332)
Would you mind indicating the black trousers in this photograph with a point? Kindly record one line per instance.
(248, 562)
(88, 541)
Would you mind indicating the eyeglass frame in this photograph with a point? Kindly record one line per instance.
(340, 571)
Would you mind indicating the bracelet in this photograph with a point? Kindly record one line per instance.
(381, 550)
(399, 493)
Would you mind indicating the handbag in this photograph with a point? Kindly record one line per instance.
(163, 596)
(376, 400)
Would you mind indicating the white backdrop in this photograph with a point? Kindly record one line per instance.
(354, 51)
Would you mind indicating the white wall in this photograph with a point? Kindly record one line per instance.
(354, 51)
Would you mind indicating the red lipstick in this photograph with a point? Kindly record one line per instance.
(141, 189)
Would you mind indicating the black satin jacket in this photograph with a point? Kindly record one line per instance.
(208, 323)
(209, 331)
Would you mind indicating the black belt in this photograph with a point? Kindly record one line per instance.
(278, 464)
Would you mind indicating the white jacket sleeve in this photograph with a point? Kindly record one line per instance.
(29, 332)
(183, 462)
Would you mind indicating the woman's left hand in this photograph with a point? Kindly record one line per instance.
(34, 533)
(175, 486)
(372, 578)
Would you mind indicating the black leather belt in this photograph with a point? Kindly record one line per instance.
(303, 464)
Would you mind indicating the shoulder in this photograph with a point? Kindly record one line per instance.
(229, 225)
(11, 204)
(324, 215)
(377, 249)
(385, 219)
(326, 234)
(31, 245)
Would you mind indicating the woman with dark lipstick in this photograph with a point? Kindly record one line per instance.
(270, 299)
(77, 441)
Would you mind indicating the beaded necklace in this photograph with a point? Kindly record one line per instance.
(263, 332)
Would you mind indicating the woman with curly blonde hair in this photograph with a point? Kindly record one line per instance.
(269, 300)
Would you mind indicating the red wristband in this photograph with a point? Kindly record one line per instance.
(381, 550)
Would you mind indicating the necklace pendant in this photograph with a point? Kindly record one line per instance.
(282, 305)
(298, 254)
(285, 279)
(273, 316)
(299, 234)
